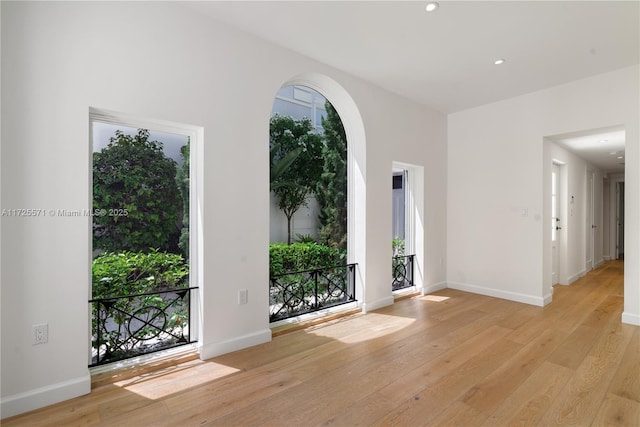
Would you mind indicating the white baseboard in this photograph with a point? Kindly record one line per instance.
(631, 319)
(207, 351)
(374, 305)
(44, 396)
(434, 288)
(575, 277)
(607, 258)
(498, 293)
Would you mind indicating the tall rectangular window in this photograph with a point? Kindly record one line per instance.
(141, 292)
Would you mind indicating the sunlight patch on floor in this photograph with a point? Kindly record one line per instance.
(374, 325)
(165, 384)
(434, 298)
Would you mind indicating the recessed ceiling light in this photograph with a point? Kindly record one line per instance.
(432, 6)
(604, 140)
(499, 61)
(620, 157)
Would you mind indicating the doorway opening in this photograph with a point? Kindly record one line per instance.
(587, 165)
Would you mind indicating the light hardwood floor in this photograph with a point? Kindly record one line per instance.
(451, 358)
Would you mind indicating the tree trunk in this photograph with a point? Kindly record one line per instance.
(289, 229)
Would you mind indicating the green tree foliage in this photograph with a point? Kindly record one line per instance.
(331, 191)
(182, 181)
(279, 167)
(294, 184)
(133, 174)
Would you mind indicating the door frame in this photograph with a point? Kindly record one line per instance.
(590, 222)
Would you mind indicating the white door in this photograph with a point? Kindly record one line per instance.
(555, 223)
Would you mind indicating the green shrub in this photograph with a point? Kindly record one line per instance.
(305, 238)
(300, 256)
(118, 329)
(126, 273)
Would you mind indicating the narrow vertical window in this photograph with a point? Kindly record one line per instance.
(403, 258)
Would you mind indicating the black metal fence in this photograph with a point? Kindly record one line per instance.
(132, 325)
(301, 292)
(402, 272)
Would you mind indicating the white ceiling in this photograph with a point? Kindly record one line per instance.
(445, 59)
(602, 147)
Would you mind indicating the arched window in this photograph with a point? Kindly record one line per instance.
(308, 148)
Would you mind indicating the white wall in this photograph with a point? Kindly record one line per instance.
(386, 143)
(496, 168)
(163, 62)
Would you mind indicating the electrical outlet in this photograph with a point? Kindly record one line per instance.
(41, 333)
(243, 296)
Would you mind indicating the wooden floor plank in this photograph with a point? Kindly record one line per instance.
(437, 367)
(528, 403)
(363, 412)
(579, 402)
(618, 411)
(575, 348)
(626, 382)
(489, 393)
(449, 358)
(424, 406)
(459, 414)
